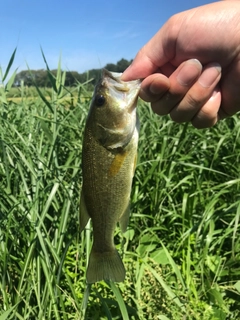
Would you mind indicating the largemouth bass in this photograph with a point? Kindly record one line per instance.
(108, 163)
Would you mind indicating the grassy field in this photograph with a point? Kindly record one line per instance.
(182, 246)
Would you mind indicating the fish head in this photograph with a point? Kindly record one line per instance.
(112, 116)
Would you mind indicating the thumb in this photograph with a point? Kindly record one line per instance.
(148, 60)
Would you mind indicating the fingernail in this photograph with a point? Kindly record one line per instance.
(189, 72)
(210, 74)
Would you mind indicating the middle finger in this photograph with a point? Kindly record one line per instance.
(181, 80)
(198, 94)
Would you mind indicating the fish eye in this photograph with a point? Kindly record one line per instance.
(100, 100)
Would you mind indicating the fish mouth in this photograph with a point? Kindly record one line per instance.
(121, 90)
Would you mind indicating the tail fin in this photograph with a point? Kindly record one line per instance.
(105, 266)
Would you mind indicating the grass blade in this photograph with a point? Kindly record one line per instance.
(9, 65)
(120, 301)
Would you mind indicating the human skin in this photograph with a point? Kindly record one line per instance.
(191, 67)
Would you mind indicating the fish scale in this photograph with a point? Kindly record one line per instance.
(108, 163)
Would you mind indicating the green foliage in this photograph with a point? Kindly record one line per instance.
(42, 77)
(5, 88)
(120, 66)
(181, 249)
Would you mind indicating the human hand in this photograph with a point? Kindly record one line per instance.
(175, 82)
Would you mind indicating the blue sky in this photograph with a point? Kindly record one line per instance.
(88, 34)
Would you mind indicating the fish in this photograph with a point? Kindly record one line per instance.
(109, 155)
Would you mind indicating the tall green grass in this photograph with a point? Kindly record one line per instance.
(181, 249)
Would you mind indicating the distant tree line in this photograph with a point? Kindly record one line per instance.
(41, 78)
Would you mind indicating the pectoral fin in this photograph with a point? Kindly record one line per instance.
(84, 216)
(125, 219)
(117, 163)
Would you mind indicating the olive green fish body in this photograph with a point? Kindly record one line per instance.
(108, 163)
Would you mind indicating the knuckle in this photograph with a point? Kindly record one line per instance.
(192, 102)
(177, 116)
(186, 109)
(159, 109)
(204, 123)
